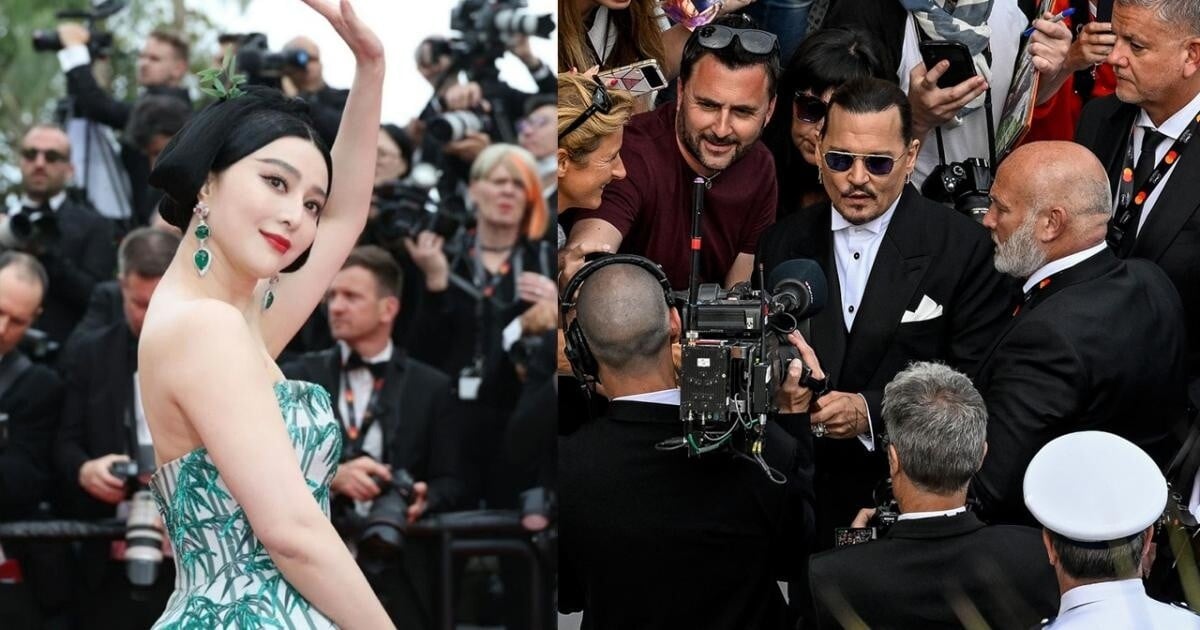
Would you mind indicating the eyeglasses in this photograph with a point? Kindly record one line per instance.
(52, 156)
(842, 161)
(600, 103)
(809, 108)
(754, 41)
(532, 122)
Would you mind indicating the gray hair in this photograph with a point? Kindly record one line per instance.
(937, 422)
(28, 268)
(1120, 559)
(1185, 13)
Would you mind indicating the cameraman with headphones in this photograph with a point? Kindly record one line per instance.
(654, 538)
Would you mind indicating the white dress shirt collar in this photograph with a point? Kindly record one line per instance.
(1066, 262)
(385, 355)
(1101, 591)
(878, 225)
(661, 397)
(56, 201)
(912, 516)
(1172, 127)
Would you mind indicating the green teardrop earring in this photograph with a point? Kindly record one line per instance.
(202, 259)
(269, 296)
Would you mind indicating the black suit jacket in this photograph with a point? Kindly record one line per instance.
(84, 255)
(420, 420)
(657, 539)
(1171, 235)
(32, 403)
(1100, 348)
(933, 573)
(927, 250)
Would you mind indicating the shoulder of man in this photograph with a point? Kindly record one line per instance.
(37, 381)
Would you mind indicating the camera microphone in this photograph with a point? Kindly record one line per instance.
(798, 288)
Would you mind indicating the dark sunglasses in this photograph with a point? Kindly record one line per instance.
(841, 161)
(52, 156)
(754, 41)
(809, 108)
(600, 103)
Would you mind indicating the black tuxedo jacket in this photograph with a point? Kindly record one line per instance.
(32, 403)
(421, 421)
(99, 367)
(84, 255)
(1100, 348)
(1171, 235)
(657, 539)
(927, 250)
(932, 572)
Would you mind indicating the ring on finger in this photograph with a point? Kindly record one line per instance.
(819, 429)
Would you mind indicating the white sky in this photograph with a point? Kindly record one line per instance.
(401, 24)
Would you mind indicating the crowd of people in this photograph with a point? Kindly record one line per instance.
(432, 334)
(992, 420)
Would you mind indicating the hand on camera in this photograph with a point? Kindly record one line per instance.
(842, 415)
(95, 478)
(1049, 45)
(1092, 47)
(469, 147)
(933, 106)
(418, 502)
(73, 34)
(426, 253)
(863, 518)
(353, 478)
(463, 96)
(793, 397)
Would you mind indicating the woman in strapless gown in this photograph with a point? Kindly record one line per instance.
(246, 456)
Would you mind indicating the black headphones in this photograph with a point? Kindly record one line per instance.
(579, 354)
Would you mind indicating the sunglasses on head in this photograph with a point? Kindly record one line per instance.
(842, 161)
(753, 41)
(809, 108)
(600, 103)
(52, 156)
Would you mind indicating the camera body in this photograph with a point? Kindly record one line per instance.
(29, 231)
(486, 24)
(383, 534)
(263, 66)
(965, 184)
(407, 207)
(99, 42)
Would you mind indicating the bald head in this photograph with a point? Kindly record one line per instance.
(624, 317)
(1059, 173)
(308, 79)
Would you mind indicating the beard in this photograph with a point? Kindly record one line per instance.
(691, 141)
(1020, 255)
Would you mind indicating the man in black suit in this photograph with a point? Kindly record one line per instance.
(655, 538)
(396, 412)
(103, 424)
(30, 399)
(1156, 58)
(1095, 342)
(937, 561)
(83, 254)
(908, 280)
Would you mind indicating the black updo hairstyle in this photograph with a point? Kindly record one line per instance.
(218, 137)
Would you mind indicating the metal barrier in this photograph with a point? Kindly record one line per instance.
(471, 533)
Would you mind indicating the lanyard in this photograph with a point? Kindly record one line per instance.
(486, 285)
(1129, 203)
(356, 430)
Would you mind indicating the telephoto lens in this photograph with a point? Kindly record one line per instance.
(388, 518)
(143, 540)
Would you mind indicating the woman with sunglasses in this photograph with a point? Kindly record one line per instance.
(825, 61)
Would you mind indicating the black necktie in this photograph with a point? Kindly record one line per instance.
(1141, 172)
(354, 361)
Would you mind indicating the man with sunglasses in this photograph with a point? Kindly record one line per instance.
(910, 280)
(83, 252)
(726, 94)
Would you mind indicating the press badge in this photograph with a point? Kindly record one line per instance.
(468, 384)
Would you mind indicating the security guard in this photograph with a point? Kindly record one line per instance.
(1097, 497)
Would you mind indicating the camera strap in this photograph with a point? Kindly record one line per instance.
(486, 285)
(1129, 203)
(987, 109)
(12, 366)
(356, 429)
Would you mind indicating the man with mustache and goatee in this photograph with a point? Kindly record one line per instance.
(1096, 342)
(909, 280)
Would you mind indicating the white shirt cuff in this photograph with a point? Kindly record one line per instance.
(1194, 501)
(511, 334)
(72, 57)
(868, 439)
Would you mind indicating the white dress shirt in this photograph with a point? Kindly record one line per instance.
(855, 247)
(55, 202)
(912, 516)
(661, 397)
(361, 384)
(1172, 128)
(1066, 262)
(1119, 604)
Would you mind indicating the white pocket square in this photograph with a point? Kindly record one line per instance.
(926, 310)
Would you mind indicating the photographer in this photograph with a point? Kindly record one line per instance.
(72, 241)
(30, 399)
(938, 557)
(308, 83)
(396, 413)
(104, 437)
(654, 538)
(161, 67)
(536, 131)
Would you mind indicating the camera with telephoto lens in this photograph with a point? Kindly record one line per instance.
(409, 206)
(454, 126)
(29, 231)
(486, 25)
(383, 534)
(260, 64)
(965, 184)
(99, 42)
(735, 355)
(143, 540)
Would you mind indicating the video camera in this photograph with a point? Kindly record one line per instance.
(260, 65)
(99, 43)
(735, 352)
(409, 206)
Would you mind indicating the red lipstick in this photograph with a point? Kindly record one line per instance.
(280, 243)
